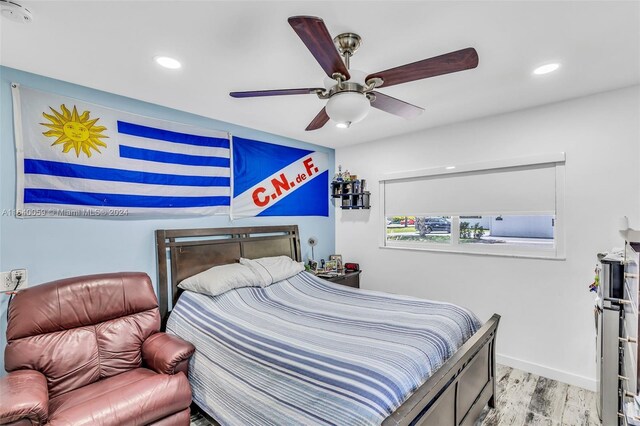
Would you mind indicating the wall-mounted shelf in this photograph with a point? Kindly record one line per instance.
(350, 194)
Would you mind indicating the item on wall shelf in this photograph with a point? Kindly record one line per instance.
(351, 193)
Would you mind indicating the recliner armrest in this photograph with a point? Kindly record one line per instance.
(24, 395)
(163, 352)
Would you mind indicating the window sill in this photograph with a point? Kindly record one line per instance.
(542, 255)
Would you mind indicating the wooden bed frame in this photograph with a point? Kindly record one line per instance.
(454, 395)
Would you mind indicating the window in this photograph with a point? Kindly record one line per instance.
(419, 229)
(509, 207)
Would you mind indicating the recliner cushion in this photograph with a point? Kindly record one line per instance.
(139, 396)
(73, 358)
(68, 359)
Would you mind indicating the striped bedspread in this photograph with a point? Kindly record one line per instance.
(305, 351)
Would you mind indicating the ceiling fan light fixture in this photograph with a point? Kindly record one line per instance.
(343, 124)
(348, 107)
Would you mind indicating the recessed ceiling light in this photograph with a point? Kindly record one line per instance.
(546, 69)
(167, 62)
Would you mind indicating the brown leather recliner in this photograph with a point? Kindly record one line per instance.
(88, 351)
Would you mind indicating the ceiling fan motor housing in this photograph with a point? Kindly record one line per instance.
(347, 43)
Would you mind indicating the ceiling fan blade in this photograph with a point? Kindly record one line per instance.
(276, 92)
(316, 37)
(319, 120)
(395, 106)
(459, 60)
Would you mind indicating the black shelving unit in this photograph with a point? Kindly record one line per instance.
(350, 194)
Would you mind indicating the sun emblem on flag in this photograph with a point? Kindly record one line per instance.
(74, 130)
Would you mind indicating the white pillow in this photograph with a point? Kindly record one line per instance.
(273, 269)
(220, 279)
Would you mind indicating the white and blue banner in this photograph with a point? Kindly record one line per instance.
(276, 180)
(79, 159)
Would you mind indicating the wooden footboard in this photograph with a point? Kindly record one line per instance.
(457, 392)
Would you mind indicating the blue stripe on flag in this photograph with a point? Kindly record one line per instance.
(170, 157)
(55, 168)
(169, 136)
(51, 196)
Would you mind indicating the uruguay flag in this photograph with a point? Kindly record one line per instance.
(80, 159)
(276, 180)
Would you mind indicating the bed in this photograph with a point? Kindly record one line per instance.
(269, 351)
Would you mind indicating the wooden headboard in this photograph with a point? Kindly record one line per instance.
(185, 252)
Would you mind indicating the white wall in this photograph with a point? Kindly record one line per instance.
(547, 324)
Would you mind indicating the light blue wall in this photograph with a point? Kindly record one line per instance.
(55, 248)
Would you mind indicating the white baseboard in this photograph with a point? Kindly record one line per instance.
(551, 373)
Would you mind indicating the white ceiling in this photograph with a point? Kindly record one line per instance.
(236, 45)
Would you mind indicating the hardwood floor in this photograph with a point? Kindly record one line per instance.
(527, 399)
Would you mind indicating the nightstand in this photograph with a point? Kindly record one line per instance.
(350, 279)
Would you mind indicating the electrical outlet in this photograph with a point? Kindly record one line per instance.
(9, 280)
(19, 275)
(5, 281)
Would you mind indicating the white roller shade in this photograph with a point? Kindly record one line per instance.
(514, 190)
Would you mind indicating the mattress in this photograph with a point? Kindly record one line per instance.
(305, 351)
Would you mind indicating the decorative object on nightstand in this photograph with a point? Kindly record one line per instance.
(350, 192)
(351, 267)
(338, 259)
(313, 241)
(331, 266)
(312, 265)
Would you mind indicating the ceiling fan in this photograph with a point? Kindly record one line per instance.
(349, 97)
